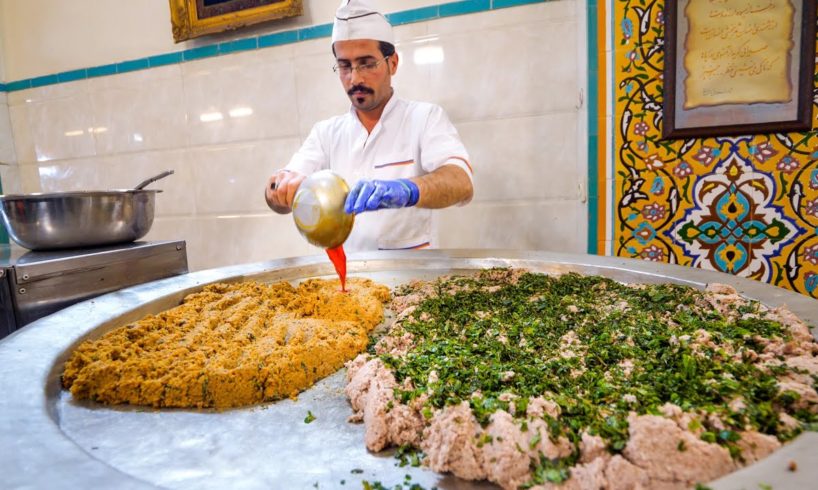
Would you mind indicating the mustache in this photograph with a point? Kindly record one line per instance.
(360, 88)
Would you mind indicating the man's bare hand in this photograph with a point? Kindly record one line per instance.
(280, 191)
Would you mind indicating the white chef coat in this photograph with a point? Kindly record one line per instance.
(409, 140)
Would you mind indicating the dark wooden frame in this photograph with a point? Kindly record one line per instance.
(805, 85)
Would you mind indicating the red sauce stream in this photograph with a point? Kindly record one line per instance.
(339, 260)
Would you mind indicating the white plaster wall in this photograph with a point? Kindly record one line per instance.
(7, 155)
(2, 44)
(42, 37)
(8, 160)
(510, 81)
(6, 141)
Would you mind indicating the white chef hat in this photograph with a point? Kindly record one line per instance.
(358, 19)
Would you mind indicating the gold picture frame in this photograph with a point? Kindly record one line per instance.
(734, 36)
(194, 18)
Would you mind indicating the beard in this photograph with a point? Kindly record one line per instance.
(364, 103)
(362, 97)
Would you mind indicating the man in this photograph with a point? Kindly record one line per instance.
(402, 158)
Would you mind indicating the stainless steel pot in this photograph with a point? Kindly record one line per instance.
(78, 219)
(81, 218)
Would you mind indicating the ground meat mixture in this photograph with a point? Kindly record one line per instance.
(230, 345)
(580, 382)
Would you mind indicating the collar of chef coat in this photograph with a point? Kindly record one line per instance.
(390, 105)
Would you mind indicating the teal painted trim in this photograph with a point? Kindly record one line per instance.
(464, 7)
(501, 4)
(265, 41)
(315, 32)
(200, 52)
(277, 39)
(593, 129)
(165, 59)
(132, 65)
(45, 80)
(414, 15)
(101, 71)
(70, 76)
(18, 85)
(247, 44)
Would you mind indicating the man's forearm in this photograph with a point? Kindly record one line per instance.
(446, 186)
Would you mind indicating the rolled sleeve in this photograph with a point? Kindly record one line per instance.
(441, 144)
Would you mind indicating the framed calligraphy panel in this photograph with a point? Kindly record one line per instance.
(194, 18)
(737, 67)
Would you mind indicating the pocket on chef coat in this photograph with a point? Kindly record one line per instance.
(404, 244)
(396, 166)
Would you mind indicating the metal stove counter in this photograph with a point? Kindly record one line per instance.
(36, 284)
(51, 441)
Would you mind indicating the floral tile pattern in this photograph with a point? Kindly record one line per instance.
(742, 205)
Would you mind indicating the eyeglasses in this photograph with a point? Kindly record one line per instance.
(364, 68)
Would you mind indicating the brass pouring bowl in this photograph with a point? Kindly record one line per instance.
(318, 209)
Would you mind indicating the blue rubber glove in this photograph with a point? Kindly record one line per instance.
(369, 195)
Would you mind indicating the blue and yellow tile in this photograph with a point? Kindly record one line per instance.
(742, 205)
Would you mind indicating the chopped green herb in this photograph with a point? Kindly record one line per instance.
(554, 471)
(597, 348)
(408, 456)
(534, 441)
(309, 418)
(406, 485)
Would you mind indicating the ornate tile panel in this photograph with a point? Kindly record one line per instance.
(742, 205)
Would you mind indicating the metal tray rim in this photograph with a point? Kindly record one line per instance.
(30, 358)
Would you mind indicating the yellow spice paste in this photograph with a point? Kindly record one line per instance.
(230, 345)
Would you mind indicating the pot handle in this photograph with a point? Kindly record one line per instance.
(145, 182)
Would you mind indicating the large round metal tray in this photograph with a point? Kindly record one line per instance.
(48, 440)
